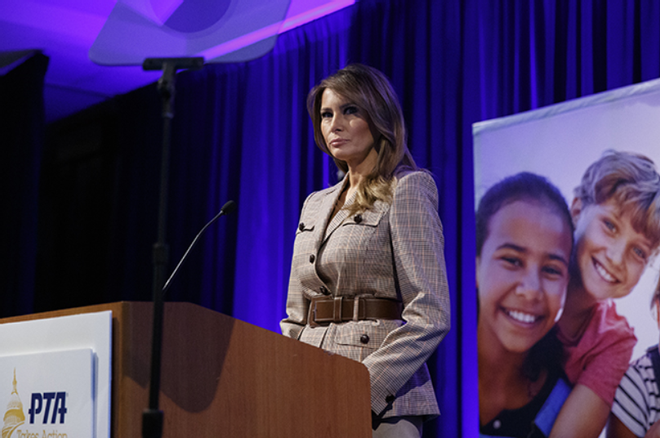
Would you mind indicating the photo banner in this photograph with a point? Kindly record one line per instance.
(559, 142)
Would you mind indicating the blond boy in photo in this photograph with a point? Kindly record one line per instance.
(616, 214)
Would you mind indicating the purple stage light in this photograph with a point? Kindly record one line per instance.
(309, 10)
(136, 30)
(218, 30)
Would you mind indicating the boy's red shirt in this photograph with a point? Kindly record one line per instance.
(598, 357)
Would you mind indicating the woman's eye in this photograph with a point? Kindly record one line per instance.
(326, 114)
(351, 110)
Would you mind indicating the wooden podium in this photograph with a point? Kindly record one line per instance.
(222, 377)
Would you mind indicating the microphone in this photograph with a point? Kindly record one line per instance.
(228, 208)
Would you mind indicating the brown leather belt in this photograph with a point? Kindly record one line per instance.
(324, 310)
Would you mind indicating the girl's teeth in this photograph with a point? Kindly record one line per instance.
(522, 317)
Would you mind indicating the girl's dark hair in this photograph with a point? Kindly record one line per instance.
(523, 186)
(546, 354)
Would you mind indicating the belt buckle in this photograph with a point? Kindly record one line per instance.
(337, 303)
(357, 308)
(311, 314)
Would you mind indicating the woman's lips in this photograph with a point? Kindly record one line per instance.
(338, 141)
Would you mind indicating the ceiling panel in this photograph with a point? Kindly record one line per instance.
(66, 29)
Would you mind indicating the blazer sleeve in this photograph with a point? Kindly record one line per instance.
(296, 303)
(419, 264)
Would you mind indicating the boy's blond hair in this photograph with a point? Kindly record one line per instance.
(632, 182)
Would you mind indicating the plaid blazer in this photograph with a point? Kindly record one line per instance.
(392, 251)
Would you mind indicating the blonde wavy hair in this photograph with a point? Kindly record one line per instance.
(372, 93)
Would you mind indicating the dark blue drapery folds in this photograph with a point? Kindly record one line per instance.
(21, 142)
(241, 132)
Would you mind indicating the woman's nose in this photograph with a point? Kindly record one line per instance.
(336, 124)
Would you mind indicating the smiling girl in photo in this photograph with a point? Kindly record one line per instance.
(524, 242)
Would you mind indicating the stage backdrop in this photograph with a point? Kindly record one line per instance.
(241, 132)
(559, 142)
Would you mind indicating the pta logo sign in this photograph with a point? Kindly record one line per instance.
(51, 404)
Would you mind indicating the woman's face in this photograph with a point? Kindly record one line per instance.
(522, 275)
(347, 132)
(610, 254)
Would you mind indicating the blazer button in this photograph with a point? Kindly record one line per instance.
(357, 218)
(312, 258)
(364, 339)
(390, 399)
(301, 226)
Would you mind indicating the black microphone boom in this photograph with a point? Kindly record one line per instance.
(228, 208)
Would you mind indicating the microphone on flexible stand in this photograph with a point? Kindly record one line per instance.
(228, 208)
(152, 417)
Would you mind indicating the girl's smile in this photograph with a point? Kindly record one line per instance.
(522, 275)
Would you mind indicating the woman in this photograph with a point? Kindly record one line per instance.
(371, 246)
(524, 242)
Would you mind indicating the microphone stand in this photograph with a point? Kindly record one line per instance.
(152, 417)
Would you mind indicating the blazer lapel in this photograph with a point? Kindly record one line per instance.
(335, 222)
(324, 210)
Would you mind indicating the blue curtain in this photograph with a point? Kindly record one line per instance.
(21, 143)
(241, 132)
